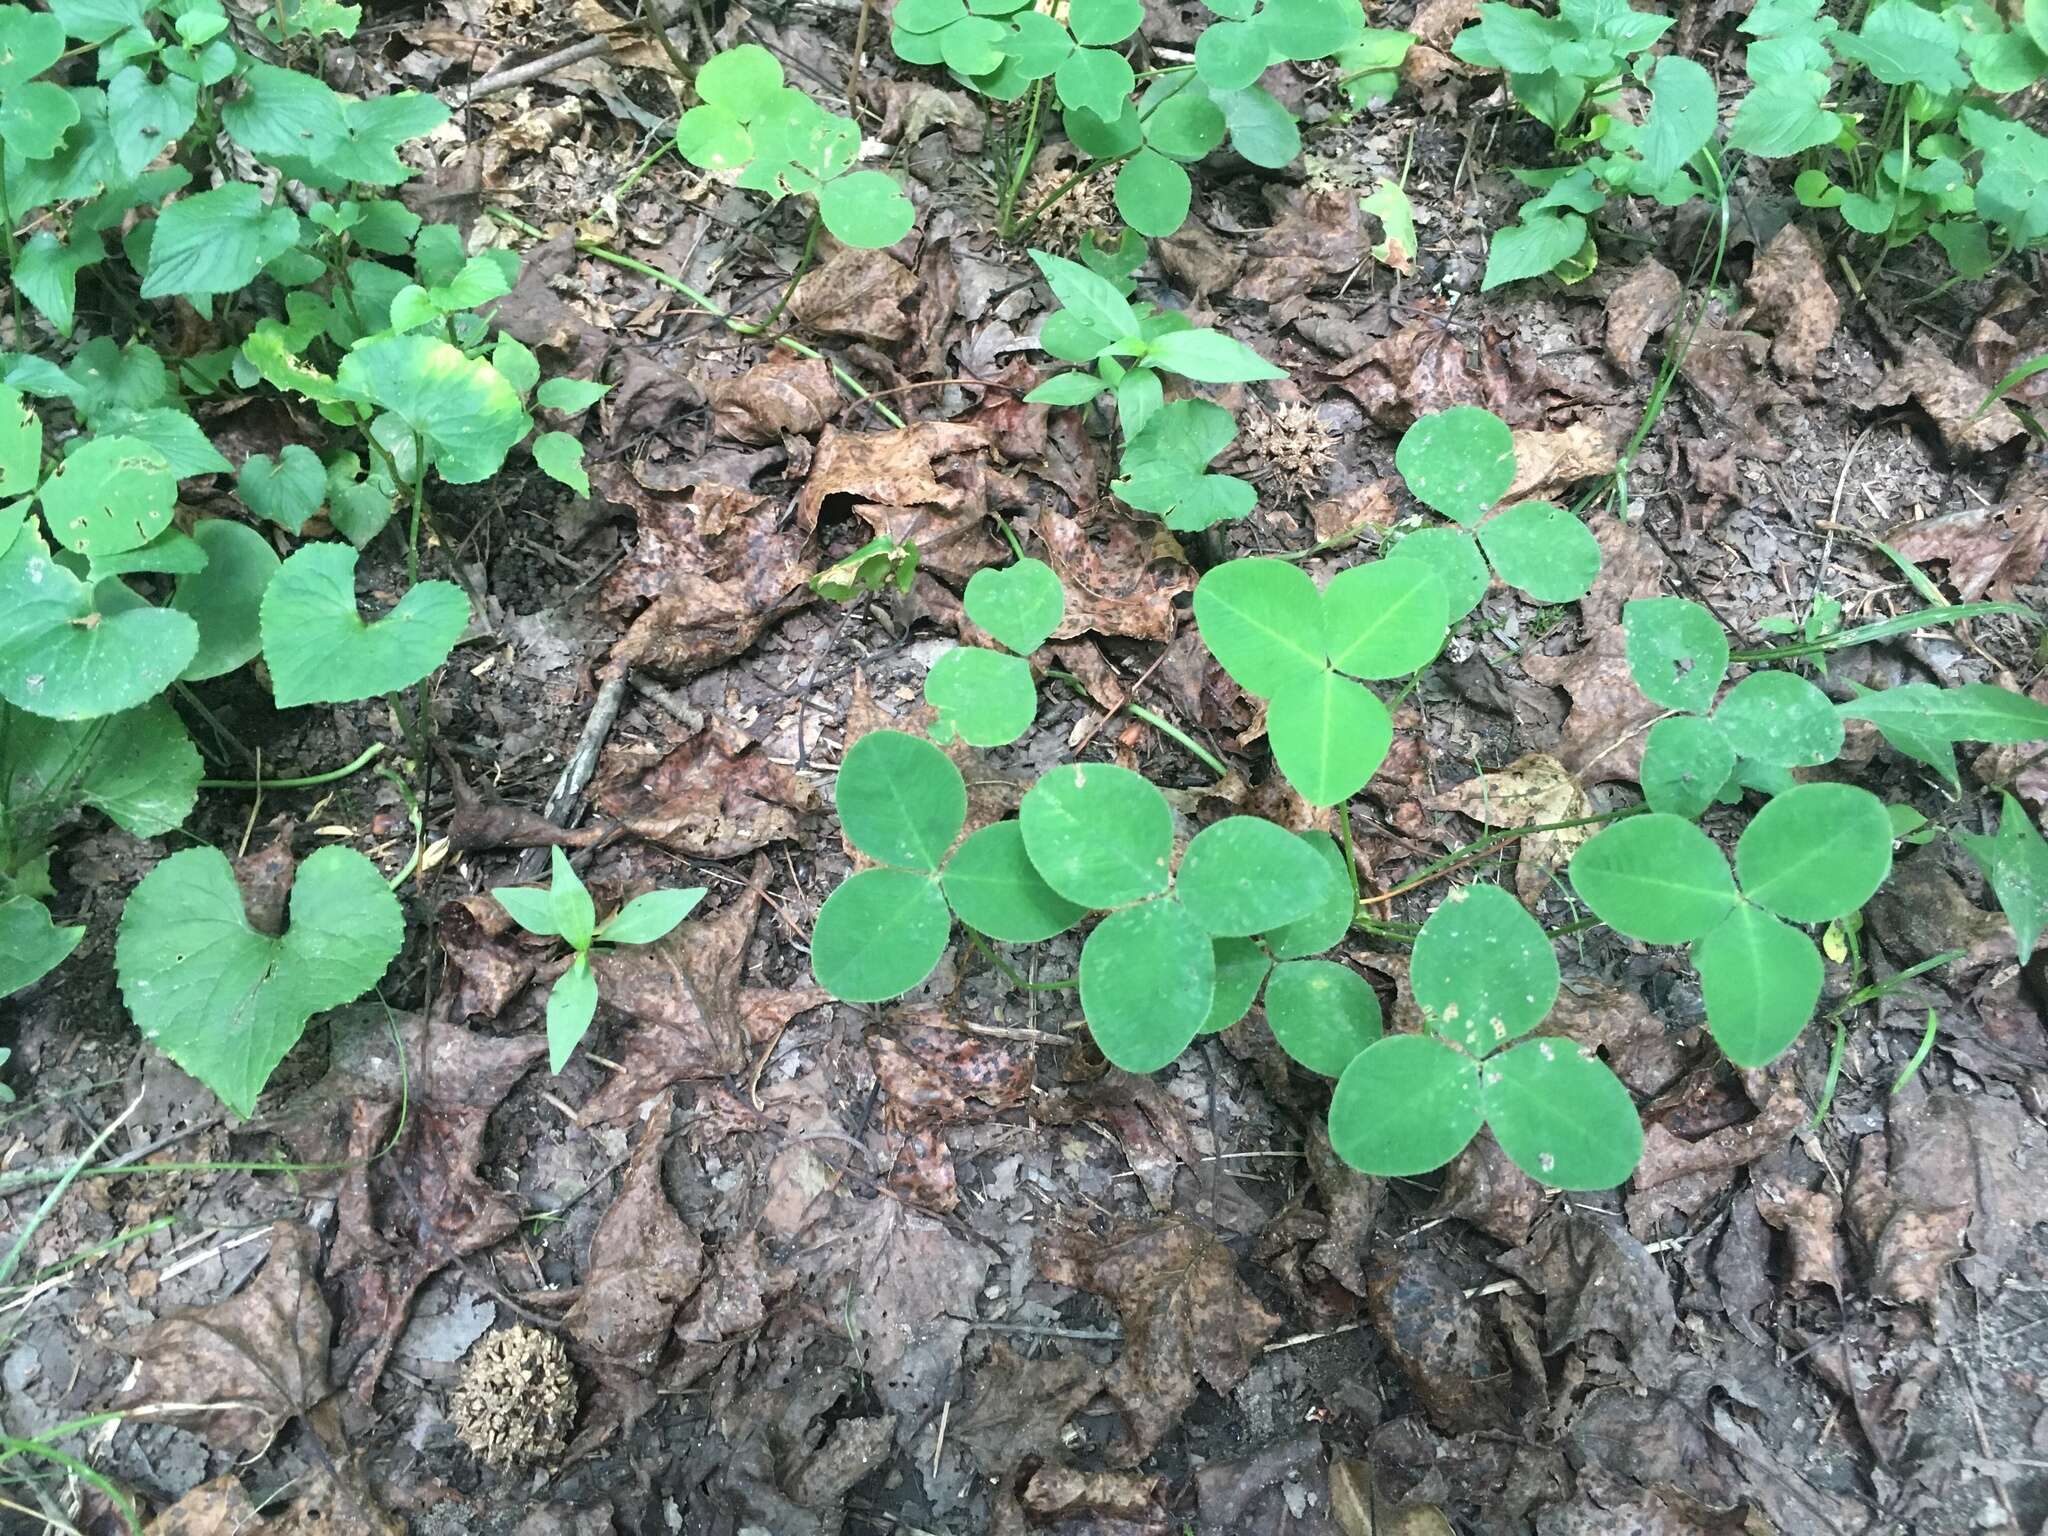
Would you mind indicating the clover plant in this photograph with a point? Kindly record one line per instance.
(1304, 652)
(1461, 462)
(1011, 50)
(987, 698)
(565, 911)
(1484, 974)
(1179, 952)
(768, 136)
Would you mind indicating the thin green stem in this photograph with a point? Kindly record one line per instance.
(1458, 857)
(309, 781)
(730, 322)
(1021, 166)
(1158, 723)
(419, 510)
(1011, 973)
(803, 265)
(1883, 629)
(1350, 853)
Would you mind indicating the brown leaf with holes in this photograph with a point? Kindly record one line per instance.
(1641, 307)
(911, 109)
(235, 1371)
(1548, 463)
(782, 396)
(1950, 395)
(914, 483)
(1118, 581)
(1441, 1343)
(1428, 365)
(711, 569)
(643, 1264)
(1595, 1278)
(1315, 235)
(693, 1017)
(1726, 368)
(716, 796)
(930, 1074)
(1533, 789)
(481, 943)
(856, 293)
(1185, 1315)
(1603, 735)
(1986, 549)
(1791, 299)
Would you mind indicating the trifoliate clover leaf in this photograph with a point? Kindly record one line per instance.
(995, 889)
(1241, 967)
(1561, 1115)
(1760, 980)
(1100, 835)
(1816, 852)
(879, 934)
(1148, 980)
(1152, 192)
(986, 698)
(1780, 719)
(1459, 461)
(1244, 875)
(1329, 736)
(900, 799)
(1405, 1105)
(1322, 1013)
(1542, 551)
(1657, 878)
(226, 1002)
(866, 209)
(321, 651)
(1677, 652)
(1483, 970)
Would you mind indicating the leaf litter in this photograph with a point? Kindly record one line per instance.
(779, 1228)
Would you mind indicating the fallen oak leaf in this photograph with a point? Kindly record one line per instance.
(716, 796)
(1185, 1315)
(236, 1370)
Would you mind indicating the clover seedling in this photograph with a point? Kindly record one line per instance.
(769, 137)
(1484, 974)
(226, 1002)
(565, 911)
(902, 803)
(1462, 462)
(985, 697)
(1813, 854)
(1300, 649)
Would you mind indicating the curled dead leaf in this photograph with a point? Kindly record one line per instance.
(856, 293)
(1641, 307)
(643, 1263)
(1546, 463)
(716, 796)
(1532, 790)
(782, 396)
(1950, 395)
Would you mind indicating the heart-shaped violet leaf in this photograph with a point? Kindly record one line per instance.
(226, 1002)
(320, 651)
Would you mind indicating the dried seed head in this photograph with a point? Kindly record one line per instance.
(516, 1401)
(1087, 205)
(1297, 449)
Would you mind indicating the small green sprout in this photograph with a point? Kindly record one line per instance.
(878, 565)
(565, 911)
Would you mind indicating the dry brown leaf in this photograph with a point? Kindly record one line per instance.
(1642, 306)
(911, 109)
(643, 1263)
(1548, 462)
(1533, 789)
(1020, 1407)
(932, 1074)
(1184, 1311)
(218, 1508)
(856, 293)
(1428, 366)
(1199, 261)
(782, 396)
(630, 45)
(1791, 299)
(716, 796)
(1123, 585)
(1440, 1342)
(1315, 234)
(236, 1370)
(1950, 395)
(1603, 735)
(1808, 1218)
(1057, 1492)
(913, 483)
(693, 1017)
(1987, 549)
(1595, 1278)
(1726, 367)
(481, 943)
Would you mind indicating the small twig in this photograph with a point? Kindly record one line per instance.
(577, 771)
(545, 65)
